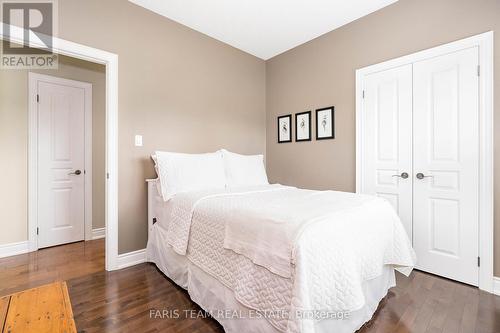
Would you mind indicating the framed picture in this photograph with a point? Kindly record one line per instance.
(325, 123)
(285, 128)
(303, 126)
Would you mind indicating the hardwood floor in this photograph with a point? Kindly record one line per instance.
(121, 301)
(57, 263)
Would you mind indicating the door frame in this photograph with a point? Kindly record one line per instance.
(484, 42)
(33, 80)
(110, 60)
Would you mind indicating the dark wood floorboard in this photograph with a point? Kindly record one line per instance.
(56, 263)
(122, 301)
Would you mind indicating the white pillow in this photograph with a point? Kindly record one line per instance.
(244, 170)
(189, 172)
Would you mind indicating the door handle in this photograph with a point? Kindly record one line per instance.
(422, 176)
(76, 172)
(403, 175)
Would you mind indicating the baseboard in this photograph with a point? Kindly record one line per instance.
(131, 258)
(496, 285)
(98, 233)
(13, 249)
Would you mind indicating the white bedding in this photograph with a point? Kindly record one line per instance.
(244, 170)
(212, 296)
(179, 172)
(322, 251)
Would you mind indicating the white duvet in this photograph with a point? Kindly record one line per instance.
(294, 251)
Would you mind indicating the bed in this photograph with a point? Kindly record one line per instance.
(262, 257)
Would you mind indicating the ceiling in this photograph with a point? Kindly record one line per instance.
(263, 28)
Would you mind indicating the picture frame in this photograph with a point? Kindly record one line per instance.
(285, 128)
(303, 126)
(325, 123)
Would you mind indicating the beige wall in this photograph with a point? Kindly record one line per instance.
(13, 156)
(183, 91)
(322, 73)
(14, 143)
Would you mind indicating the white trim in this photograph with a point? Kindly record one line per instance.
(112, 163)
(13, 249)
(32, 169)
(496, 285)
(485, 43)
(87, 53)
(34, 78)
(131, 258)
(98, 233)
(486, 168)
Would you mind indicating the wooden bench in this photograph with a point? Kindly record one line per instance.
(39, 310)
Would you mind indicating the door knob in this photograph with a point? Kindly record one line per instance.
(77, 172)
(422, 176)
(403, 175)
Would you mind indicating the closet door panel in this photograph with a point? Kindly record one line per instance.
(387, 108)
(445, 162)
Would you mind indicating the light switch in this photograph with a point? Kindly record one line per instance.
(138, 140)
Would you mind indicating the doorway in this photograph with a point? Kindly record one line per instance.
(63, 140)
(110, 61)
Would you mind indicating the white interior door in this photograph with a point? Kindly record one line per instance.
(387, 139)
(61, 160)
(446, 154)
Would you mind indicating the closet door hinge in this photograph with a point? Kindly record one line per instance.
(37, 230)
(37, 98)
(363, 94)
(478, 262)
(478, 70)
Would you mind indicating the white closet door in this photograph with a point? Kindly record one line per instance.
(446, 151)
(387, 146)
